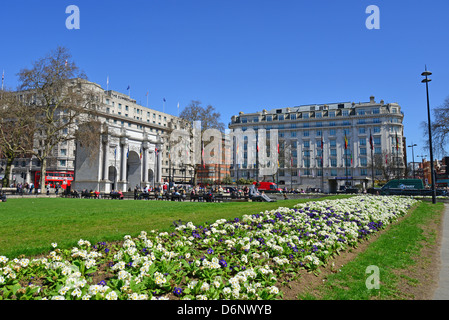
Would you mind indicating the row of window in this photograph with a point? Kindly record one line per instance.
(317, 172)
(320, 124)
(316, 114)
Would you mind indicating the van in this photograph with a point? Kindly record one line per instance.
(404, 187)
(266, 186)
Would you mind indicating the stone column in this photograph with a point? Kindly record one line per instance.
(123, 162)
(158, 165)
(145, 163)
(105, 158)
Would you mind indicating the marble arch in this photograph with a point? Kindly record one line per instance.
(127, 157)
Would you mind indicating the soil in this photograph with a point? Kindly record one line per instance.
(418, 282)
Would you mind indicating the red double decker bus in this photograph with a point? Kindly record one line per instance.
(62, 178)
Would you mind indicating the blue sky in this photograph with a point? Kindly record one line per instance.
(244, 55)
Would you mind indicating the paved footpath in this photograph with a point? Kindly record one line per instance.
(442, 292)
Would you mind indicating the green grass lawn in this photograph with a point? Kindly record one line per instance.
(29, 226)
(396, 249)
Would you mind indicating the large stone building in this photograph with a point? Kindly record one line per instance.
(133, 152)
(328, 166)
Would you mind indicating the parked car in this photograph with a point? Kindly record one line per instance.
(267, 187)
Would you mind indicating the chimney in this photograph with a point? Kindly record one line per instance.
(371, 99)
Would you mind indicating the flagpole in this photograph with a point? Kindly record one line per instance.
(372, 157)
(147, 98)
(3, 78)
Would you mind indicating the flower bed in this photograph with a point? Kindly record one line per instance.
(243, 258)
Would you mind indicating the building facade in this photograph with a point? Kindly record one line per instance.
(328, 146)
(130, 125)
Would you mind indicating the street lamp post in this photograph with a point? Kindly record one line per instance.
(426, 81)
(413, 156)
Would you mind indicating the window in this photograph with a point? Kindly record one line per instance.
(305, 115)
(293, 134)
(363, 172)
(376, 110)
(361, 112)
(63, 152)
(334, 162)
(345, 113)
(305, 133)
(126, 108)
(293, 116)
(269, 118)
(362, 130)
(332, 132)
(318, 133)
(376, 129)
(62, 163)
(334, 152)
(318, 115)
(281, 117)
(243, 120)
(377, 140)
(362, 142)
(331, 114)
(333, 172)
(307, 163)
(363, 151)
(306, 144)
(363, 162)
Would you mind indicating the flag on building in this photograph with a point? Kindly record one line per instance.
(386, 159)
(346, 142)
(127, 153)
(157, 152)
(371, 141)
(202, 155)
(140, 154)
(397, 142)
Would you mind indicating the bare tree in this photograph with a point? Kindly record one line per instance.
(62, 101)
(209, 118)
(385, 163)
(16, 130)
(439, 127)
